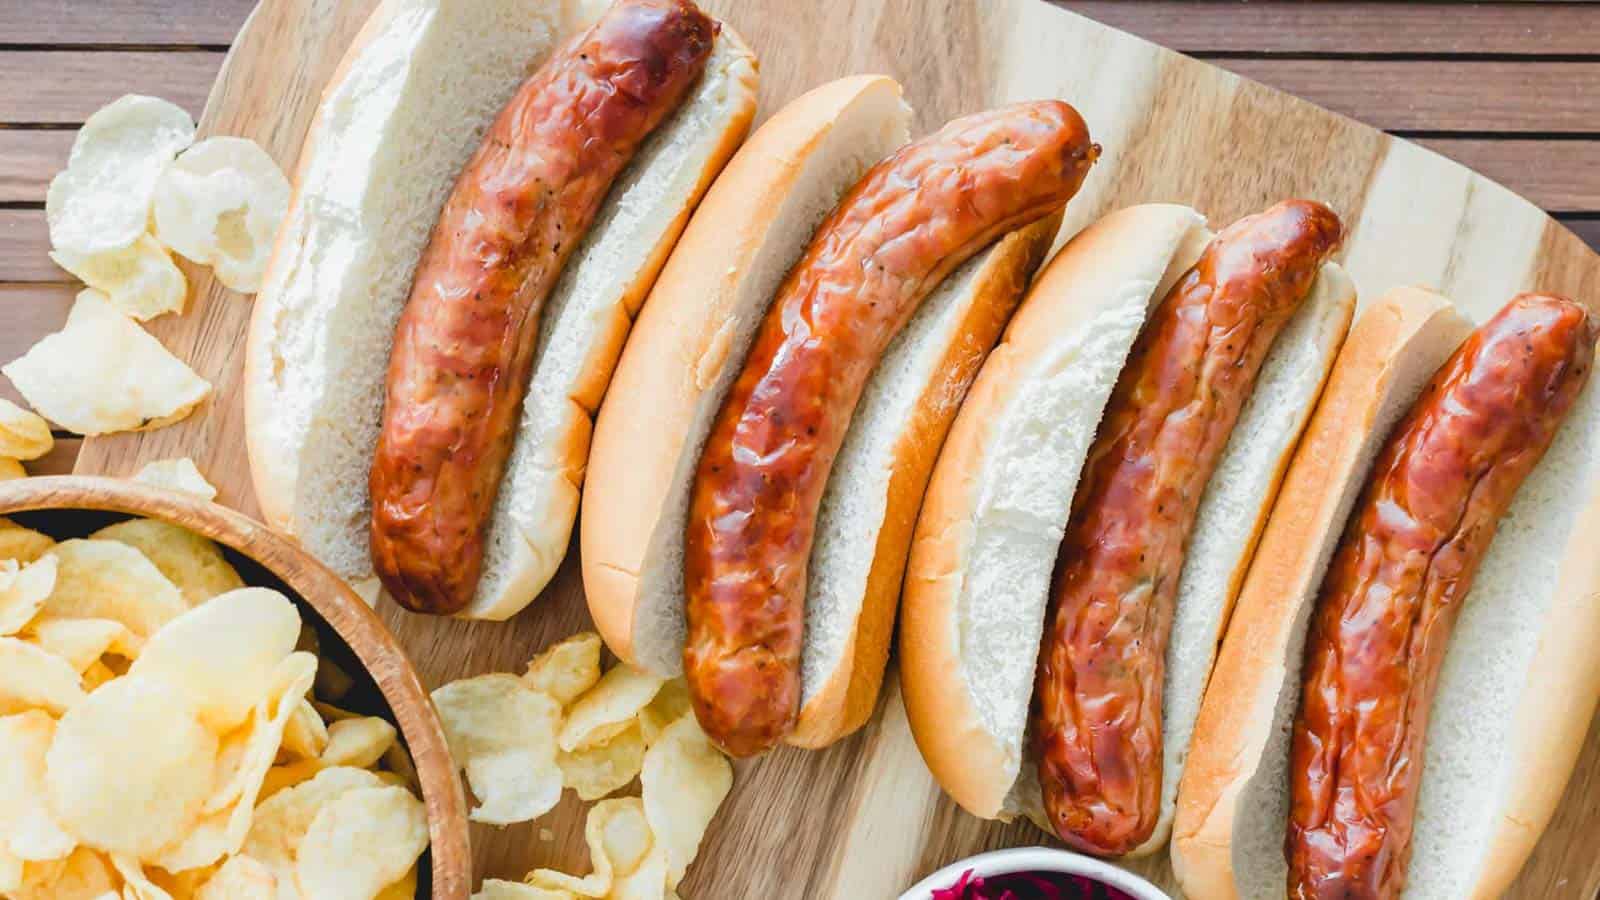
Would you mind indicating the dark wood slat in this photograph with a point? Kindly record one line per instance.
(1274, 26)
(25, 246)
(28, 312)
(122, 21)
(1424, 95)
(28, 160)
(67, 85)
(1562, 176)
(1588, 229)
(59, 460)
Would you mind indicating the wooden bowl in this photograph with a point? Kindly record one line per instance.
(87, 500)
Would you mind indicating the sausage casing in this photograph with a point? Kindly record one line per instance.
(463, 349)
(1102, 666)
(908, 222)
(1396, 584)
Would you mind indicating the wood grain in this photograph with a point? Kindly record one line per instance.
(1276, 26)
(27, 313)
(66, 86)
(28, 160)
(863, 818)
(124, 22)
(332, 600)
(25, 247)
(1557, 175)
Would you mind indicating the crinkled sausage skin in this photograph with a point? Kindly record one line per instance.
(1396, 584)
(903, 227)
(1102, 667)
(463, 350)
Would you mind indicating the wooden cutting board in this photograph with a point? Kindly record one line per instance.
(864, 819)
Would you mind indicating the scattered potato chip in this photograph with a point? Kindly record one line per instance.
(504, 734)
(103, 373)
(567, 669)
(608, 708)
(11, 470)
(179, 475)
(671, 703)
(32, 678)
(130, 766)
(102, 201)
(81, 642)
(281, 821)
(307, 735)
(140, 279)
(85, 875)
(685, 779)
(618, 837)
(27, 829)
(600, 769)
(23, 434)
(360, 842)
(23, 591)
(647, 882)
(22, 544)
(496, 889)
(240, 878)
(360, 742)
(228, 815)
(223, 653)
(98, 579)
(194, 564)
(220, 203)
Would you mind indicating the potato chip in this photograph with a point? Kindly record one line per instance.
(360, 842)
(130, 766)
(504, 734)
(97, 674)
(11, 870)
(240, 878)
(307, 735)
(136, 883)
(27, 829)
(496, 889)
(23, 590)
(140, 279)
(85, 875)
(109, 580)
(358, 742)
(81, 642)
(281, 821)
(567, 669)
(608, 708)
(685, 779)
(287, 776)
(618, 837)
(220, 203)
(102, 373)
(194, 565)
(179, 475)
(22, 544)
(671, 703)
(11, 470)
(602, 769)
(23, 434)
(102, 201)
(646, 882)
(404, 889)
(398, 761)
(223, 653)
(32, 678)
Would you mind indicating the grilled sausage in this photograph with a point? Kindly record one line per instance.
(909, 221)
(1102, 666)
(463, 350)
(1396, 585)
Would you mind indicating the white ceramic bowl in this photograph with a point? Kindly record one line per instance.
(1036, 859)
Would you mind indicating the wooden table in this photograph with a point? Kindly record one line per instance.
(1510, 89)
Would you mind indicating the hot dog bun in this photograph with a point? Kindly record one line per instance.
(987, 539)
(379, 159)
(1520, 678)
(690, 341)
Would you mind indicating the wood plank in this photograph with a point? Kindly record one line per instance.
(67, 85)
(1561, 176)
(1428, 95)
(121, 22)
(25, 247)
(1276, 26)
(28, 160)
(59, 460)
(28, 312)
(1587, 228)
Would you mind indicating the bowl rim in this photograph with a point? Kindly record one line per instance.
(1041, 859)
(344, 611)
